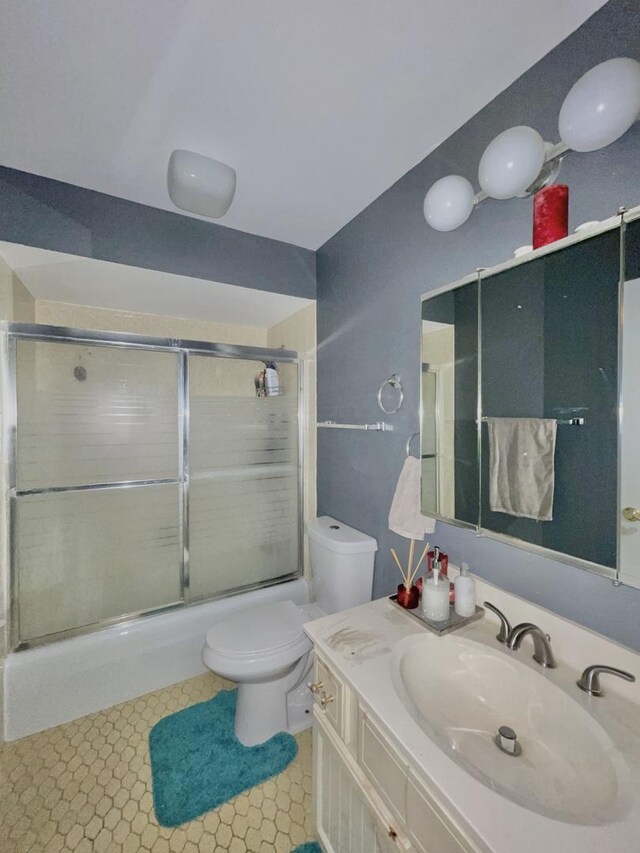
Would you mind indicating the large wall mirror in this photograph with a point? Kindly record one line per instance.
(530, 409)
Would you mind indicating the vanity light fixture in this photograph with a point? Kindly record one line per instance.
(511, 162)
(600, 107)
(449, 203)
(200, 184)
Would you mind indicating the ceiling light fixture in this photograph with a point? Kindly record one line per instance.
(600, 107)
(199, 184)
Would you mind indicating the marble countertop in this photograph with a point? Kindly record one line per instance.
(358, 644)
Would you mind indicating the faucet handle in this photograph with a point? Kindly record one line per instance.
(505, 627)
(589, 681)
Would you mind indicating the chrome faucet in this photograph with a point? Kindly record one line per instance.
(589, 681)
(542, 653)
(513, 638)
(505, 628)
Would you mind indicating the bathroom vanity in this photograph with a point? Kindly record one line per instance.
(404, 726)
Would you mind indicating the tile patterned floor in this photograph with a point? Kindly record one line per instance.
(86, 787)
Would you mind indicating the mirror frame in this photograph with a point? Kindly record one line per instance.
(617, 222)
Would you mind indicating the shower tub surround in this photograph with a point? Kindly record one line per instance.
(417, 791)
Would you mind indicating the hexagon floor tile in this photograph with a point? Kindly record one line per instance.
(86, 787)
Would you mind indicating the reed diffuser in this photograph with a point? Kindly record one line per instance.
(408, 594)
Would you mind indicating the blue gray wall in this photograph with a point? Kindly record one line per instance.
(50, 214)
(370, 279)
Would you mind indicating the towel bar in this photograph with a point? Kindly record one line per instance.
(380, 426)
(561, 422)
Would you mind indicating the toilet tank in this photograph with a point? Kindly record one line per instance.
(341, 564)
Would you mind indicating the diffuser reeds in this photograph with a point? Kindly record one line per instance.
(409, 574)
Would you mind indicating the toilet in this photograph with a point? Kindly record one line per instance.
(264, 649)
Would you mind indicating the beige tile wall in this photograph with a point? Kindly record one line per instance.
(101, 319)
(16, 303)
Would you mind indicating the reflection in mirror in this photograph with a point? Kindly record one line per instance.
(449, 404)
(629, 519)
(550, 351)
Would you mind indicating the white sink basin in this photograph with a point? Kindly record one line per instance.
(460, 692)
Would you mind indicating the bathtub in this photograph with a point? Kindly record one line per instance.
(55, 684)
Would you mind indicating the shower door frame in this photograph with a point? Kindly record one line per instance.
(183, 348)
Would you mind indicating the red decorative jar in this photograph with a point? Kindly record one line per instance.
(408, 598)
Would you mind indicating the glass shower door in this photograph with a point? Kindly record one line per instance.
(243, 476)
(96, 503)
(145, 474)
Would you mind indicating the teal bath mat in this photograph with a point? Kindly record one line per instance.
(311, 847)
(197, 762)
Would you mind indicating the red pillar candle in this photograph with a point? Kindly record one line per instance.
(550, 215)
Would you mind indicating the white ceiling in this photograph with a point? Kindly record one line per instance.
(319, 106)
(102, 284)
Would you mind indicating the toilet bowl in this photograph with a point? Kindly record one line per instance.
(266, 652)
(264, 648)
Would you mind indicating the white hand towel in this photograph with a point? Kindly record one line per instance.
(521, 466)
(405, 517)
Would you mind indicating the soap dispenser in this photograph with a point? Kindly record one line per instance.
(465, 585)
(435, 596)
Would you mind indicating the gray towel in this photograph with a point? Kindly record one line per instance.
(521, 466)
(405, 516)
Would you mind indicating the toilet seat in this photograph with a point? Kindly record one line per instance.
(258, 631)
(258, 643)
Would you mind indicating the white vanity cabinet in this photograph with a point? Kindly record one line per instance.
(367, 798)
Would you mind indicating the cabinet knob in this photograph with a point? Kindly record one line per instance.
(327, 700)
(392, 832)
(631, 513)
(315, 688)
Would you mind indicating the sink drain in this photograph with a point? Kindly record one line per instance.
(507, 741)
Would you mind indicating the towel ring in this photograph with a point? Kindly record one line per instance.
(408, 444)
(393, 382)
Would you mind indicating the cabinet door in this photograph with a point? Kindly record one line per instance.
(383, 766)
(344, 821)
(427, 827)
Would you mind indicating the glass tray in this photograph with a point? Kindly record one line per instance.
(451, 624)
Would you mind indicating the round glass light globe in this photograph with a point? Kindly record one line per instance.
(449, 203)
(601, 105)
(511, 162)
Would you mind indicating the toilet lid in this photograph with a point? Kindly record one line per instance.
(259, 629)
